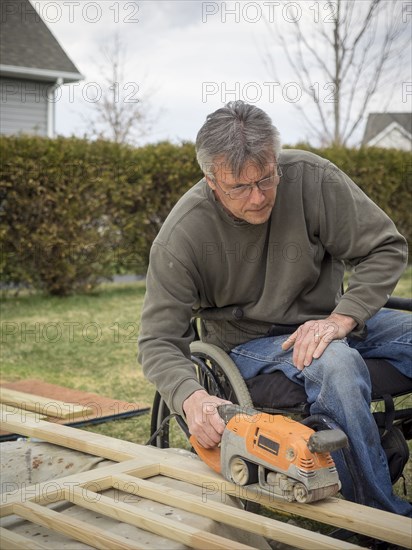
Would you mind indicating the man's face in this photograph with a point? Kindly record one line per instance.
(255, 208)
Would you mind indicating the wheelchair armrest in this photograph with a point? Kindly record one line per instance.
(396, 302)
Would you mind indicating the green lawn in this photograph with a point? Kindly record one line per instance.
(81, 342)
(88, 343)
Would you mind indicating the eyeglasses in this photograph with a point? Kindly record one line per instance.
(243, 190)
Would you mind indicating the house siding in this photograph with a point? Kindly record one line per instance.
(23, 106)
(389, 130)
(394, 139)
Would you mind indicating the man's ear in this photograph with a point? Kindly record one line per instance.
(210, 183)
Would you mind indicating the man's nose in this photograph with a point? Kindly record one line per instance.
(256, 196)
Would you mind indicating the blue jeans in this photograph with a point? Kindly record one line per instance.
(338, 385)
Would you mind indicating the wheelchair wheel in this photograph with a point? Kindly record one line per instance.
(218, 374)
(170, 432)
(220, 377)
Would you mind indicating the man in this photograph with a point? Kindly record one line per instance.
(269, 231)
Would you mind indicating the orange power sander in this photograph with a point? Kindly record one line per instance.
(282, 456)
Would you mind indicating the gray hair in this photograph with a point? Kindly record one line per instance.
(236, 134)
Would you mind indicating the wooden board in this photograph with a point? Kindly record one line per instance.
(45, 406)
(132, 474)
(6, 409)
(88, 408)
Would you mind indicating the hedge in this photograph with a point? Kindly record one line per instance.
(74, 211)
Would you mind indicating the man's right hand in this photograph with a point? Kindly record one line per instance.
(203, 419)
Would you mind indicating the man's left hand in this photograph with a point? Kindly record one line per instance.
(313, 337)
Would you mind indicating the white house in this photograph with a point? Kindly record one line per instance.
(389, 130)
(32, 66)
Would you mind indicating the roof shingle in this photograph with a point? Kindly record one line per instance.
(26, 41)
(377, 122)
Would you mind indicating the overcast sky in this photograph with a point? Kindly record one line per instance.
(191, 57)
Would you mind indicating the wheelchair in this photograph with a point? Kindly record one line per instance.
(274, 393)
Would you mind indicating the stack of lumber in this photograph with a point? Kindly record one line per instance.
(133, 474)
(37, 406)
(44, 401)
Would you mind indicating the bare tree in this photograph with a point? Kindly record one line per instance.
(121, 112)
(354, 49)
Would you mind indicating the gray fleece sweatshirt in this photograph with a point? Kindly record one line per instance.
(287, 270)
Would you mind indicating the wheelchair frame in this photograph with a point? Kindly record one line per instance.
(218, 374)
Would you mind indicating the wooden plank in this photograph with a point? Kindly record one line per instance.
(53, 491)
(8, 409)
(103, 408)
(73, 528)
(71, 438)
(14, 541)
(340, 513)
(269, 528)
(42, 405)
(332, 511)
(155, 523)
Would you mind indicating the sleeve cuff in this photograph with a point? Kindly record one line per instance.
(357, 312)
(183, 391)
